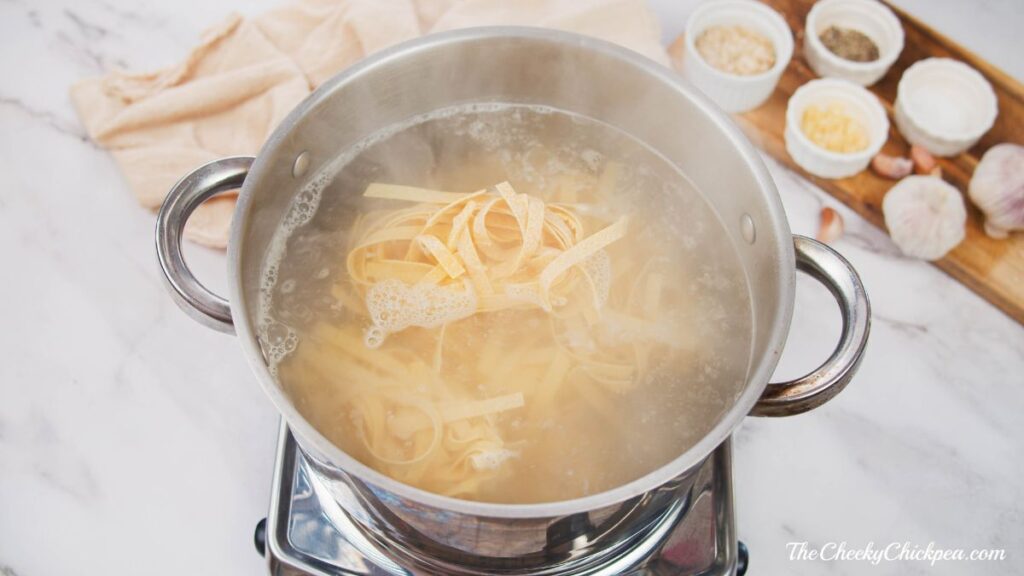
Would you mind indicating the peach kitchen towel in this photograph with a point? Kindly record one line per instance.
(246, 74)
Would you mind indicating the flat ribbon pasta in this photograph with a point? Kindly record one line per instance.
(417, 273)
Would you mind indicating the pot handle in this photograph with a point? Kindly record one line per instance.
(200, 185)
(828, 267)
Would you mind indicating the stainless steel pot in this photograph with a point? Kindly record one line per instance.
(428, 533)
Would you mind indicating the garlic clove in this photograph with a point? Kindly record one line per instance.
(892, 167)
(675, 52)
(994, 231)
(997, 188)
(925, 216)
(924, 162)
(831, 227)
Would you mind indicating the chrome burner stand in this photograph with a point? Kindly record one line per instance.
(297, 539)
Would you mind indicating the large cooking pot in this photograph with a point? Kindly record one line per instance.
(434, 534)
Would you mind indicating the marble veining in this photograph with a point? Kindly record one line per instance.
(133, 441)
(50, 119)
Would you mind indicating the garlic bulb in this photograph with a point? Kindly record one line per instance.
(997, 188)
(926, 216)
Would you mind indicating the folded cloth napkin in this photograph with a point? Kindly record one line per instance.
(231, 91)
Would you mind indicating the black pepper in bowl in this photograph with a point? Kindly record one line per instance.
(849, 44)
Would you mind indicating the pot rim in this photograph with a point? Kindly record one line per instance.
(759, 372)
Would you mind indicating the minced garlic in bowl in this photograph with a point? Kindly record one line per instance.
(831, 128)
(834, 127)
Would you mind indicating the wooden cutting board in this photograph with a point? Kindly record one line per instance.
(992, 268)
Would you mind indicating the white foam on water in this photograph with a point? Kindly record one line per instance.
(277, 338)
(491, 459)
(395, 306)
(592, 158)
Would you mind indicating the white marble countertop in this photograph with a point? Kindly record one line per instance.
(133, 441)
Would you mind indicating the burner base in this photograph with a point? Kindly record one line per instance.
(298, 540)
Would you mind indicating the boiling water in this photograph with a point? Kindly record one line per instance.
(675, 272)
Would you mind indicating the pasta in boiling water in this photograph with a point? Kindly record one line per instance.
(511, 342)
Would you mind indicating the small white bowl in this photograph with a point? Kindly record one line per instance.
(732, 92)
(869, 17)
(944, 105)
(862, 105)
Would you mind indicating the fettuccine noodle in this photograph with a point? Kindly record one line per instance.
(417, 272)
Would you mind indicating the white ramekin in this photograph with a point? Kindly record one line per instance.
(870, 17)
(732, 92)
(944, 105)
(859, 103)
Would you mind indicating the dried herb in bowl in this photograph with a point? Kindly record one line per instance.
(849, 44)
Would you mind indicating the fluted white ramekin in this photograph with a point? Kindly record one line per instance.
(862, 105)
(944, 105)
(869, 17)
(732, 92)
